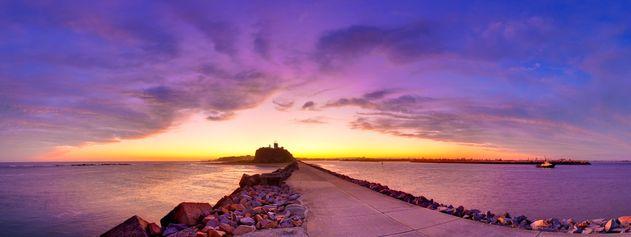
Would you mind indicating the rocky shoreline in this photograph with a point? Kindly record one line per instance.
(616, 225)
(262, 202)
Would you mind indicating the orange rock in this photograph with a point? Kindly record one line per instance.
(625, 220)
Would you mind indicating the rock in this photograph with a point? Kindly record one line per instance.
(173, 228)
(598, 221)
(211, 221)
(247, 221)
(201, 234)
(555, 224)
(505, 220)
(215, 233)
(611, 225)
(227, 228)
(187, 213)
(625, 221)
(272, 155)
(154, 230)
(188, 232)
(583, 224)
(296, 210)
(294, 196)
(132, 227)
(257, 209)
(237, 206)
(540, 225)
(242, 229)
(587, 230)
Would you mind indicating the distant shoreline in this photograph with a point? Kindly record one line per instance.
(457, 161)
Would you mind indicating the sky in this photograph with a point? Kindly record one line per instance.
(190, 80)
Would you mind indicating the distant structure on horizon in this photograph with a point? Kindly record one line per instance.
(274, 154)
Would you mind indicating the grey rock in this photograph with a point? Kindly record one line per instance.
(296, 210)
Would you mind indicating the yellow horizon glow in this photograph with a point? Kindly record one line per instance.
(195, 138)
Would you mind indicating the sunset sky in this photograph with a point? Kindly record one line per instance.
(173, 80)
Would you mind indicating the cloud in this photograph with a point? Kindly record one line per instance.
(309, 105)
(219, 116)
(314, 120)
(403, 43)
(282, 105)
(77, 78)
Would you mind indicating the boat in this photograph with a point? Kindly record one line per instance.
(546, 164)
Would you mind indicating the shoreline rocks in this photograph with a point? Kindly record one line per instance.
(615, 225)
(261, 201)
(135, 226)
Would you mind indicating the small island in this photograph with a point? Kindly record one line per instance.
(274, 154)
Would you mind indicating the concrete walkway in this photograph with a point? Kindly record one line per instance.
(341, 208)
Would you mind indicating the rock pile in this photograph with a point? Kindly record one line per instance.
(615, 225)
(261, 202)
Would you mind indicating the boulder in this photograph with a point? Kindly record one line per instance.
(132, 227)
(625, 221)
(296, 210)
(247, 221)
(243, 229)
(611, 225)
(187, 213)
(540, 225)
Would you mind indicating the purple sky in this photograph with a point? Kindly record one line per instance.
(545, 78)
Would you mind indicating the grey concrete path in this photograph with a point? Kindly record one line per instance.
(341, 208)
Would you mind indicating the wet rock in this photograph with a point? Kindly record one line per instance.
(242, 229)
(132, 227)
(611, 225)
(187, 213)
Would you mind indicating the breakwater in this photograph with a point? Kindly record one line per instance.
(615, 225)
(261, 202)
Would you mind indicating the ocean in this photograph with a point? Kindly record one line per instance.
(44, 199)
(56, 199)
(600, 190)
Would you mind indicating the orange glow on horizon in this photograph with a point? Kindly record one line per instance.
(195, 138)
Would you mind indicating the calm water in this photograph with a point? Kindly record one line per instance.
(43, 200)
(598, 191)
